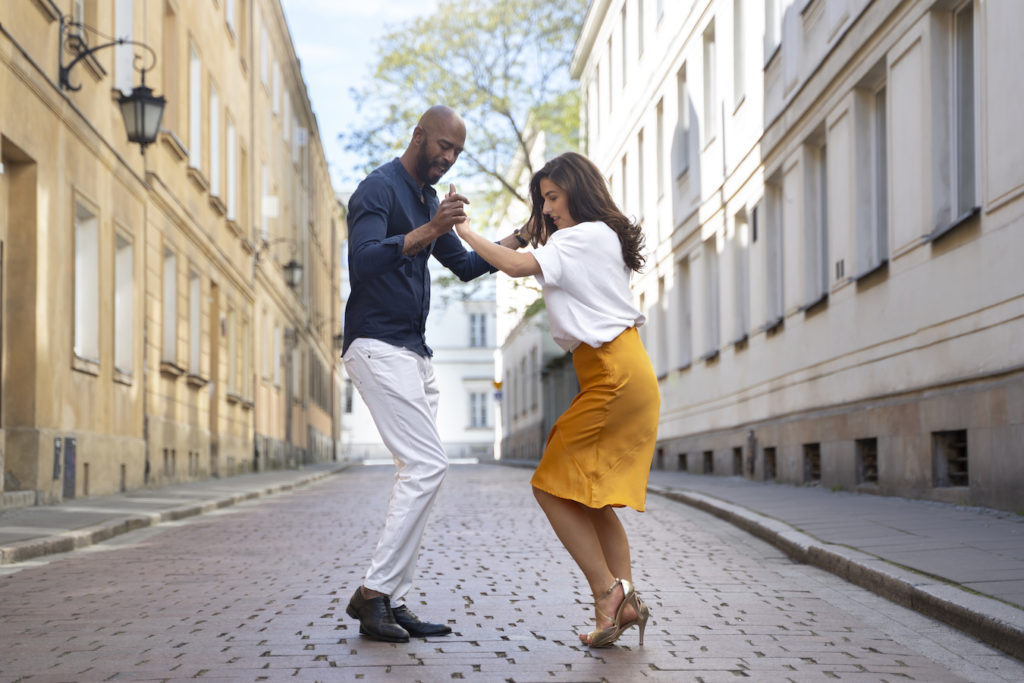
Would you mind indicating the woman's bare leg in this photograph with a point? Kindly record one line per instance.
(597, 543)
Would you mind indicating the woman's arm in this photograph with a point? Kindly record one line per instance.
(508, 261)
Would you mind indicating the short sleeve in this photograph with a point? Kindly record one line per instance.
(561, 251)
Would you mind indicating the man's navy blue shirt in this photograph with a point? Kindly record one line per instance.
(390, 292)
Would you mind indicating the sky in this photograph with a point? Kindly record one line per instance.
(336, 44)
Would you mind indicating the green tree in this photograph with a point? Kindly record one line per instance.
(502, 64)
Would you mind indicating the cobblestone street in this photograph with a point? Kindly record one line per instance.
(258, 591)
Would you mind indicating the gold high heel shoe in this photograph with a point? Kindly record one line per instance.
(606, 636)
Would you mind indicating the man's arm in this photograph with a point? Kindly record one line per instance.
(451, 211)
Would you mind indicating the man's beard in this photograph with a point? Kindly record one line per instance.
(427, 170)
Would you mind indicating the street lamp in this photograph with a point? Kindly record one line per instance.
(292, 270)
(142, 111)
(292, 273)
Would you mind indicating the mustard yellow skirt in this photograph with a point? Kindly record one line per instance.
(599, 451)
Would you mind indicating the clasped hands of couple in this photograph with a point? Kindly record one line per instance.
(452, 214)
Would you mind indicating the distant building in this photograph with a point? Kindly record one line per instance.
(833, 196)
(152, 331)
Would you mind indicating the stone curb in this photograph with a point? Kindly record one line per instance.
(991, 621)
(97, 533)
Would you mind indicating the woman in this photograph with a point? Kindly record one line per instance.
(598, 454)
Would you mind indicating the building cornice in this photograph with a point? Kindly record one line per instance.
(591, 25)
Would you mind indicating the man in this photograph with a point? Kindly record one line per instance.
(395, 224)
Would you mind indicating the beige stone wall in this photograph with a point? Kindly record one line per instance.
(187, 399)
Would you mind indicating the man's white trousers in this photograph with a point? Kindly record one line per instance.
(400, 390)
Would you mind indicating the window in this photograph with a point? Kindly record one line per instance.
(711, 311)
(214, 141)
(276, 91)
(232, 171)
(660, 146)
(774, 303)
(169, 349)
(772, 26)
(738, 42)
(661, 350)
(87, 284)
(195, 330)
(741, 277)
(963, 108)
(264, 56)
(478, 409)
(872, 180)
(610, 96)
(195, 109)
(276, 357)
(247, 376)
(684, 324)
(624, 186)
(640, 28)
(266, 342)
(640, 174)
(124, 310)
(534, 378)
(681, 148)
(234, 367)
(661, 9)
(477, 329)
(624, 46)
(816, 226)
(710, 121)
(123, 57)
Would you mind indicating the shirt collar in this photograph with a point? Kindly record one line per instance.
(427, 191)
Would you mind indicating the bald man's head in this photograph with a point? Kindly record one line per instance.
(437, 142)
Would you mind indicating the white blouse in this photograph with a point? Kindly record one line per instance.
(586, 286)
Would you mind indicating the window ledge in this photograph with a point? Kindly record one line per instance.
(197, 177)
(196, 381)
(233, 397)
(174, 144)
(235, 228)
(816, 305)
(960, 220)
(685, 366)
(171, 369)
(741, 341)
(773, 326)
(84, 365)
(710, 356)
(218, 205)
(123, 377)
(881, 265)
(247, 405)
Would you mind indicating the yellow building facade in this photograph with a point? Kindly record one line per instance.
(151, 331)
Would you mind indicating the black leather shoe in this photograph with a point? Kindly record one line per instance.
(376, 620)
(416, 628)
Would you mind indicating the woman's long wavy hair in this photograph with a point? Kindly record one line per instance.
(589, 200)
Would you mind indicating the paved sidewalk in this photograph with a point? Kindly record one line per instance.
(961, 565)
(31, 532)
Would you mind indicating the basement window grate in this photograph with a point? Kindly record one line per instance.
(709, 462)
(867, 461)
(812, 462)
(682, 462)
(769, 463)
(949, 458)
(737, 461)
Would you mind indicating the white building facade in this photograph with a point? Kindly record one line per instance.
(833, 195)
